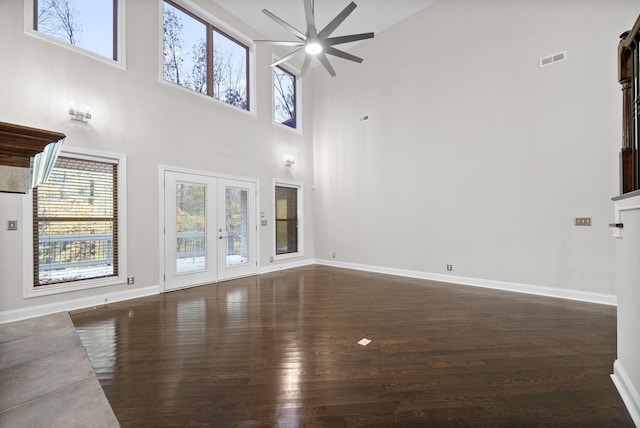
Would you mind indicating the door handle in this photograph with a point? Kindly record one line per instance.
(221, 237)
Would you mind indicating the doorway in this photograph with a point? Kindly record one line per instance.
(209, 229)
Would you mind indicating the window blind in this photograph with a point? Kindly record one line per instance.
(75, 227)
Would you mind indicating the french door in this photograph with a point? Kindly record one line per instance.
(209, 229)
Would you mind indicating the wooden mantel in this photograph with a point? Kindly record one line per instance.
(18, 144)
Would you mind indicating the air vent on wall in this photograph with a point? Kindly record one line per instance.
(552, 59)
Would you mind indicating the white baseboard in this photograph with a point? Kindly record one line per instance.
(284, 266)
(562, 293)
(627, 391)
(70, 305)
(101, 299)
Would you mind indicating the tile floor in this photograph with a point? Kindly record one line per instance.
(46, 378)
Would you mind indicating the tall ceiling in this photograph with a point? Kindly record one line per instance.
(369, 16)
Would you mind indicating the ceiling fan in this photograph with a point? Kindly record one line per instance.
(317, 43)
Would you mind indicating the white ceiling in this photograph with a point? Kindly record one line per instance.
(369, 16)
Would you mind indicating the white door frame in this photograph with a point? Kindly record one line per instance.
(161, 210)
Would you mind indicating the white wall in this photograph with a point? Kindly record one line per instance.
(153, 123)
(473, 155)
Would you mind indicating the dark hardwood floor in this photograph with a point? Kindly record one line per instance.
(280, 350)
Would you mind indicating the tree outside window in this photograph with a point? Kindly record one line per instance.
(229, 70)
(284, 94)
(185, 61)
(87, 24)
(188, 42)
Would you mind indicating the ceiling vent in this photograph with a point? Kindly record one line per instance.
(553, 59)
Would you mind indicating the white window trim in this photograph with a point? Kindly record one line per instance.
(29, 290)
(296, 185)
(122, 54)
(216, 22)
(295, 72)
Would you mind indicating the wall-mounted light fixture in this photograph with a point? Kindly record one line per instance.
(289, 161)
(78, 115)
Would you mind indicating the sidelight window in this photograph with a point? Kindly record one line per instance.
(288, 219)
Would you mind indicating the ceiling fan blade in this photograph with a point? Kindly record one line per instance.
(312, 32)
(346, 39)
(287, 57)
(323, 59)
(297, 33)
(305, 65)
(281, 43)
(342, 54)
(330, 28)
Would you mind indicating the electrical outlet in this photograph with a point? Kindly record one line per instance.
(583, 221)
(130, 280)
(332, 255)
(449, 268)
(271, 259)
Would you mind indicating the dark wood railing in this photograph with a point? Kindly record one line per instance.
(629, 78)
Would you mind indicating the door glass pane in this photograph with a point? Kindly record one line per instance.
(236, 208)
(190, 227)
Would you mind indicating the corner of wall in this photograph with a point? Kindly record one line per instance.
(627, 391)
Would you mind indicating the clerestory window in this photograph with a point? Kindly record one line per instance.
(285, 97)
(91, 25)
(204, 58)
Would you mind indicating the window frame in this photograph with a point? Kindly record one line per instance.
(29, 289)
(118, 50)
(211, 25)
(300, 229)
(296, 97)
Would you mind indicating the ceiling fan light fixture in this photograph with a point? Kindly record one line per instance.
(313, 48)
(317, 43)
